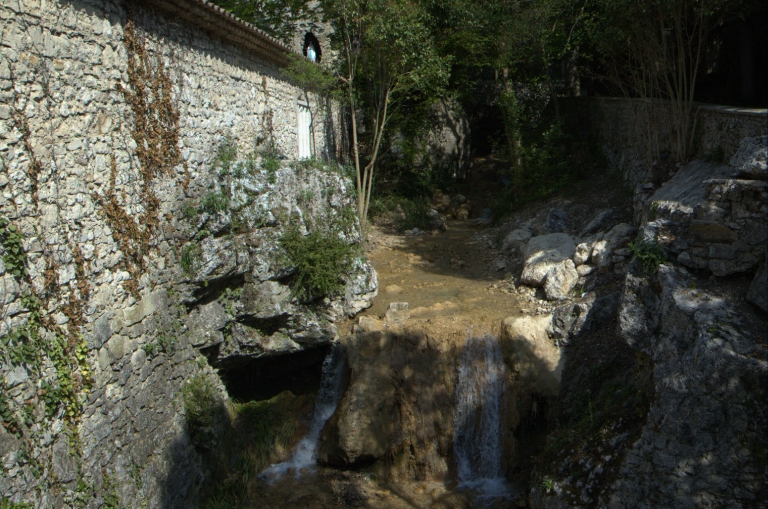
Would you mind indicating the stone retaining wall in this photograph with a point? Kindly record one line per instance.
(92, 318)
(624, 127)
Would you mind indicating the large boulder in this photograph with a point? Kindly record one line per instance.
(544, 253)
(560, 280)
(600, 222)
(517, 240)
(549, 221)
(359, 430)
(398, 406)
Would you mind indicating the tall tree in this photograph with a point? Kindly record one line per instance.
(386, 56)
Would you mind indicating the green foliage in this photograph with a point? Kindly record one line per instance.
(259, 429)
(6, 503)
(190, 255)
(14, 257)
(270, 163)
(551, 161)
(547, 483)
(320, 258)
(650, 254)
(111, 498)
(215, 201)
(309, 76)
(201, 408)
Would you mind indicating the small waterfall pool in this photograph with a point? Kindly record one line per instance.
(477, 420)
(305, 454)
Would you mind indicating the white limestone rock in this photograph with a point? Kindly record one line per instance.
(544, 253)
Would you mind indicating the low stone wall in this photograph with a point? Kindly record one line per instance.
(112, 117)
(626, 126)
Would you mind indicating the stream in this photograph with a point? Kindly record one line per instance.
(477, 420)
(304, 456)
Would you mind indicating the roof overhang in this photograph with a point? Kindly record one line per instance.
(215, 20)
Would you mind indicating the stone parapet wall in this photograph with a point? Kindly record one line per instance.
(97, 180)
(627, 127)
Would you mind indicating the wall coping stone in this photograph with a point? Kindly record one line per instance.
(720, 108)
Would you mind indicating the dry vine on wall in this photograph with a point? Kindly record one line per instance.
(156, 134)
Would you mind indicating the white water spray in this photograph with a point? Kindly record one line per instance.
(305, 454)
(476, 419)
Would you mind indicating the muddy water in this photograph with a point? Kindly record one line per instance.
(446, 278)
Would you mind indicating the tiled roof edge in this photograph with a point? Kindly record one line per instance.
(214, 19)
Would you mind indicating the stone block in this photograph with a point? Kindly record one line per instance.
(705, 231)
(397, 313)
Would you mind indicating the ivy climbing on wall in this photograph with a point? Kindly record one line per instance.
(40, 344)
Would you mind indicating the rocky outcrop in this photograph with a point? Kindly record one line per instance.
(758, 290)
(708, 221)
(532, 357)
(239, 291)
(751, 158)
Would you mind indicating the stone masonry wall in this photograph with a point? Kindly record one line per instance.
(100, 233)
(624, 127)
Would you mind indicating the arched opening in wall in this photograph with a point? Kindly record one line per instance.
(304, 117)
(262, 378)
(312, 47)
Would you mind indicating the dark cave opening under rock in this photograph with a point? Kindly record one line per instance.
(256, 379)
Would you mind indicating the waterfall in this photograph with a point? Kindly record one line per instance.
(305, 453)
(476, 419)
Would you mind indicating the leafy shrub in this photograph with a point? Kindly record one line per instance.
(321, 259)
(416, 216)
(215, 201)
(650, 254)
(270, 163)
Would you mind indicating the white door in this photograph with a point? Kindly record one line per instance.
(305, 137)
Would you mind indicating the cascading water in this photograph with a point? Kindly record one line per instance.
(305, 454)
(476, 419)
